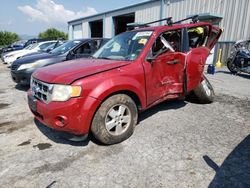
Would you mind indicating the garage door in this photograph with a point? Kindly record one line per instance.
(77, 31)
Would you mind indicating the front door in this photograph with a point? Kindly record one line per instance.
(170, 66)
(164, 67)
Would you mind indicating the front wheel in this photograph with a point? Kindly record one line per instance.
(231, 66)
(204, 92)
(115, 119)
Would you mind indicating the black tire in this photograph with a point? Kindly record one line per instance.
(102, 115)
(204, 92)
(231, 66)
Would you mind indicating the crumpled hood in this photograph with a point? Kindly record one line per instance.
(69, 71)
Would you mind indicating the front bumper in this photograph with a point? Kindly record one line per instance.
(21, 77)
(2, 57)
(9, 60)
(73, 116)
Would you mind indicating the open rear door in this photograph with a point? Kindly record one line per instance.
(201, 40)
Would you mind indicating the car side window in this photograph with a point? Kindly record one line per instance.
(96, 44)
(84, 49)
(198, 36)
(174, 39)
(157, 46)
(170, 40)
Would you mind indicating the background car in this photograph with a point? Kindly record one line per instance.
(47, 49)
(19, 45)
(22, 68)
(34, 40)
(5, 55)
(10, 57)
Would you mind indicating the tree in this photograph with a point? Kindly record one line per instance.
(6, 38)
(53, 34)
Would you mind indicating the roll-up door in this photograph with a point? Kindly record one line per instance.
(77, 31)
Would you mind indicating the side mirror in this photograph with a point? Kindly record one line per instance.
(48, 50)
(71, 53)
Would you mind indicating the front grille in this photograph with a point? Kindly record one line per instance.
(41, 90)
(14, 67)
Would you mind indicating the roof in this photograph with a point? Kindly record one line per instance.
(107, 12)
(44, 42)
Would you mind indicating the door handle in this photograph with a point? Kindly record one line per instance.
(174, 62)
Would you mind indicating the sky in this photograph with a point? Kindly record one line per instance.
(30, 17)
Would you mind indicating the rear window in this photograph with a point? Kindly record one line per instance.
(198, 36)
(212, 38)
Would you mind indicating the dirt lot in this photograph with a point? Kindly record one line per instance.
(176, 144)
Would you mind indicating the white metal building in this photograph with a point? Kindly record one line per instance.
(231, 15)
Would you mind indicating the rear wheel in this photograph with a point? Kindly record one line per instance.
(204, 92)
(115, 120)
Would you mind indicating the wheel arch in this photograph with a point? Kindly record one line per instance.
(130, 93)
(122, 85)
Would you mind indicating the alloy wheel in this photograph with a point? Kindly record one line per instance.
(118, 119)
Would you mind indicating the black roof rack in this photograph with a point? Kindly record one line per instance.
(140, 25)
(194, 18)
(169, 21)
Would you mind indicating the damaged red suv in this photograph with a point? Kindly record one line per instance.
(132, 72)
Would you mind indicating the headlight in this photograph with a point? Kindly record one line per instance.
(31, 82)
(65, 92)
(28, 66)
(8, 56)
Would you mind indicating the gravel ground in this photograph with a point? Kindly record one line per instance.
(176, 144)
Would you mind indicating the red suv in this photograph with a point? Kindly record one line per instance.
(132, 72)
